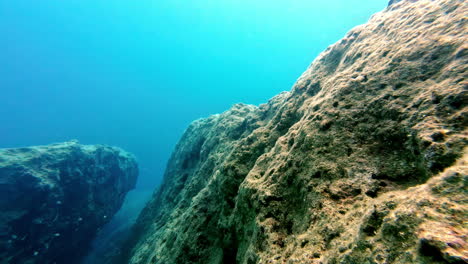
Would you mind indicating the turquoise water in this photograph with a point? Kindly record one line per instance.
(134, 74)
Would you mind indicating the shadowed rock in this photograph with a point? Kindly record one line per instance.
(54, 198)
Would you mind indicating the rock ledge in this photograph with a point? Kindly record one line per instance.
(54, 198)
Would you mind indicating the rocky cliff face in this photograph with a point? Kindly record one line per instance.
(54, 198)
(364, 161)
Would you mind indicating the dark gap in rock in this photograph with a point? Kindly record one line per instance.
(373, 223)
(398, 86)
(428, 250)
(313, 89)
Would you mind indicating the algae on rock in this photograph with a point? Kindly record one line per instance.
(364, 161)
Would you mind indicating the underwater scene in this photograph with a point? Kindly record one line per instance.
(234, 132)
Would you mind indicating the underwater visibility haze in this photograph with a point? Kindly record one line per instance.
(134, 74)
(233, 131)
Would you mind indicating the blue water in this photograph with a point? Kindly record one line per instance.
(134, 74)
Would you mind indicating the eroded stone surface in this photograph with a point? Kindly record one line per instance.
(363, 161)
(54, 198)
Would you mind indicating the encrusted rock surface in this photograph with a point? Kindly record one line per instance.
(364, 161)
(54, 198)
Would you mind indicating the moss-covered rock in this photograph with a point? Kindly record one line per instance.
(351, 166)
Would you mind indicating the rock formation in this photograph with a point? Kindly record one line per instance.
(364, 161)
(54, 198)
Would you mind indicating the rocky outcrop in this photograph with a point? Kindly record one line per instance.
(364, 161)
(54, 198)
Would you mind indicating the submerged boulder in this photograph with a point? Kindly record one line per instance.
(364, 161)
(54, 198)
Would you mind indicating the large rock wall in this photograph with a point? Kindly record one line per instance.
(54, 198)
(364, 161)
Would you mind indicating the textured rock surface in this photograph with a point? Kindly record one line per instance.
(54, 198)
(364, 161)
